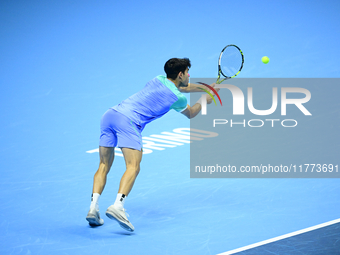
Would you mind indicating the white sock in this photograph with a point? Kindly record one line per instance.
(120, 200)
(95, 201)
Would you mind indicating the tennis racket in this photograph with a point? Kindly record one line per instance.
(230, 63)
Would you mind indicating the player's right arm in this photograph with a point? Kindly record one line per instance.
(194, 88)
(191, 111)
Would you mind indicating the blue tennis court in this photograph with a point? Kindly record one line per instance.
(64, 64)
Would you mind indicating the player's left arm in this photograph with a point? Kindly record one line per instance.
(192, 87)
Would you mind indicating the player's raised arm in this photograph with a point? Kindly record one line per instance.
(192, 87)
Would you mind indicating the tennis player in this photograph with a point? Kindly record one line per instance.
(122, 125)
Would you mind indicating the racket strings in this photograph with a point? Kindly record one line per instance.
(231, 61)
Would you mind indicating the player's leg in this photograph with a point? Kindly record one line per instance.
(106, 155)
(132, 161)
(107, 142)
(116, 211)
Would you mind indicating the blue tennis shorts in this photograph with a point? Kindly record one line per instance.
(116, 130)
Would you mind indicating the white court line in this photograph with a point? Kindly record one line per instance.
(281, 237)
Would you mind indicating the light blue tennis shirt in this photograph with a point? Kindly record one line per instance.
(157, 98)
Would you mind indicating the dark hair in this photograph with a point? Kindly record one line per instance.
(175, 65)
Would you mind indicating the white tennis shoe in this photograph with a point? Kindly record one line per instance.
(119, 215)
(93, 217)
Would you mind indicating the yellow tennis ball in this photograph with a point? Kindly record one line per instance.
(265, 60)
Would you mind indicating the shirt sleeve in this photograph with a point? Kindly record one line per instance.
(181, 104)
